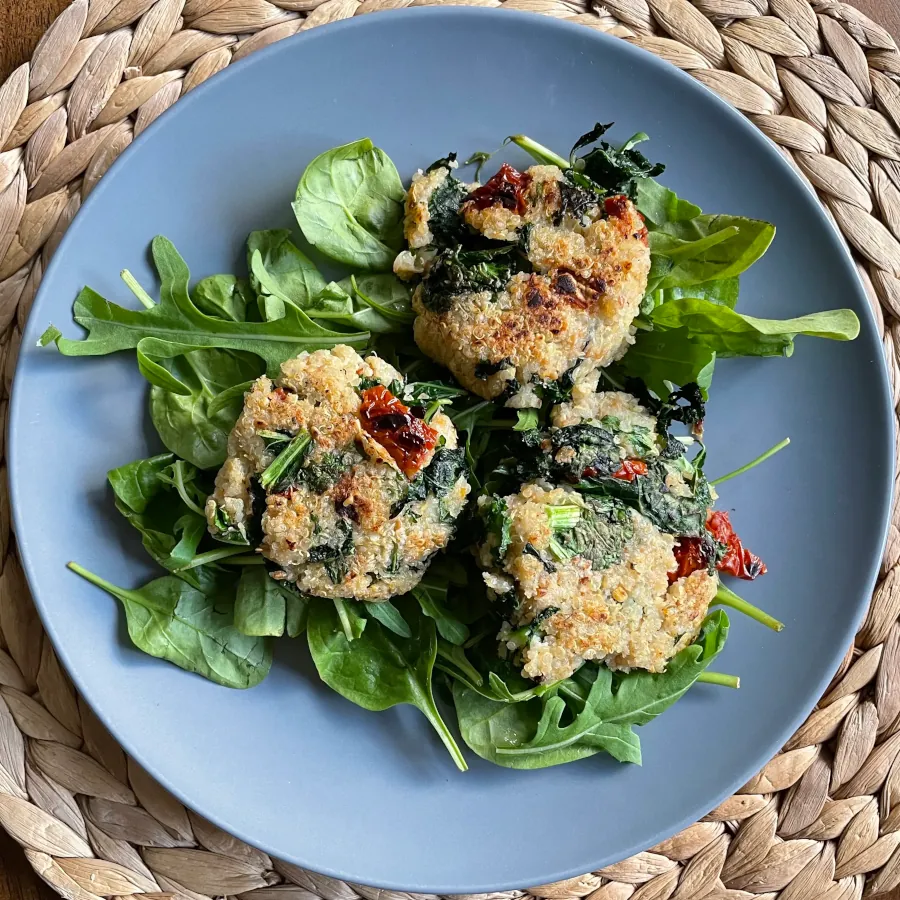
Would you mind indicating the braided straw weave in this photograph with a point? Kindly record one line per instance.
(822, 820)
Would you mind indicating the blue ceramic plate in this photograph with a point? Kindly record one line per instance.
(290, 766)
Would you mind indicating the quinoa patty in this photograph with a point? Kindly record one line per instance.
(564, 289)
(589, 580)
(370, 493)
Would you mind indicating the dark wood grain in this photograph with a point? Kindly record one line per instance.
(22, 22)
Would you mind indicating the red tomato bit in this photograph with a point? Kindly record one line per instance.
(616, 207)
(507, 188)
(408, 439)
(690, 556)
(738, 560)
(630, 469)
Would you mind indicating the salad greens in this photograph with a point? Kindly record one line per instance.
(349, 205)
(216, 609)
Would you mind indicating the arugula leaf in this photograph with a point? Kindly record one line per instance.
(262, 607)
(431, 595)
(349, 204)
(380, 669)
(172, 620)
(495, 729)
(526, 419)
(175, 319)
(223, 296)
(729, 333)
(388, 615)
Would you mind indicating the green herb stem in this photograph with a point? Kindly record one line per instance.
(726, 597)
(178, 480)
(720, 678)
(456, 657)
(134, 286)
(211, 556)
(287, 460)
(246, 559)
(433, 408)
(558, 552)
(753, 463)
(538, 151)
(562, 518)
(99, 582)
(345, 620)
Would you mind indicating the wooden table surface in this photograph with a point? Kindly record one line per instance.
(22, 22)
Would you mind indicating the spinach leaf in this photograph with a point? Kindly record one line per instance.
(176, 320)
(196, 425)
(680, 515)
(137, 483)
(497, 521)
(724, 292)
(281, 271)
(660, 358)
(349, 204)
(385, 294)
(170, 528)
(706, 248)
(223, 296)
(380, 669)
(335, 554)
(660, 206)
(262, 607)
(320, 475)
(172, 620)
(389, 616)
(729, 333)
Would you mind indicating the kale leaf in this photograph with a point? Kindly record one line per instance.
(615, 171)
(650, 495)
(320, 475)
(335, 555)
(444, 221)
(457, 271)
(603, 529)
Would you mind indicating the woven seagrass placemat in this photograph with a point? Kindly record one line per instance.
(821, 821)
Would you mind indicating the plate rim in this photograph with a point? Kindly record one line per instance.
(643, 57)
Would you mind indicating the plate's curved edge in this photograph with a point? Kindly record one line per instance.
(182, 107)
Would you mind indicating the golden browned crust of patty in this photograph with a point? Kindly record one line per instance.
(318, 392)
(626, 615)
(589, 279)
